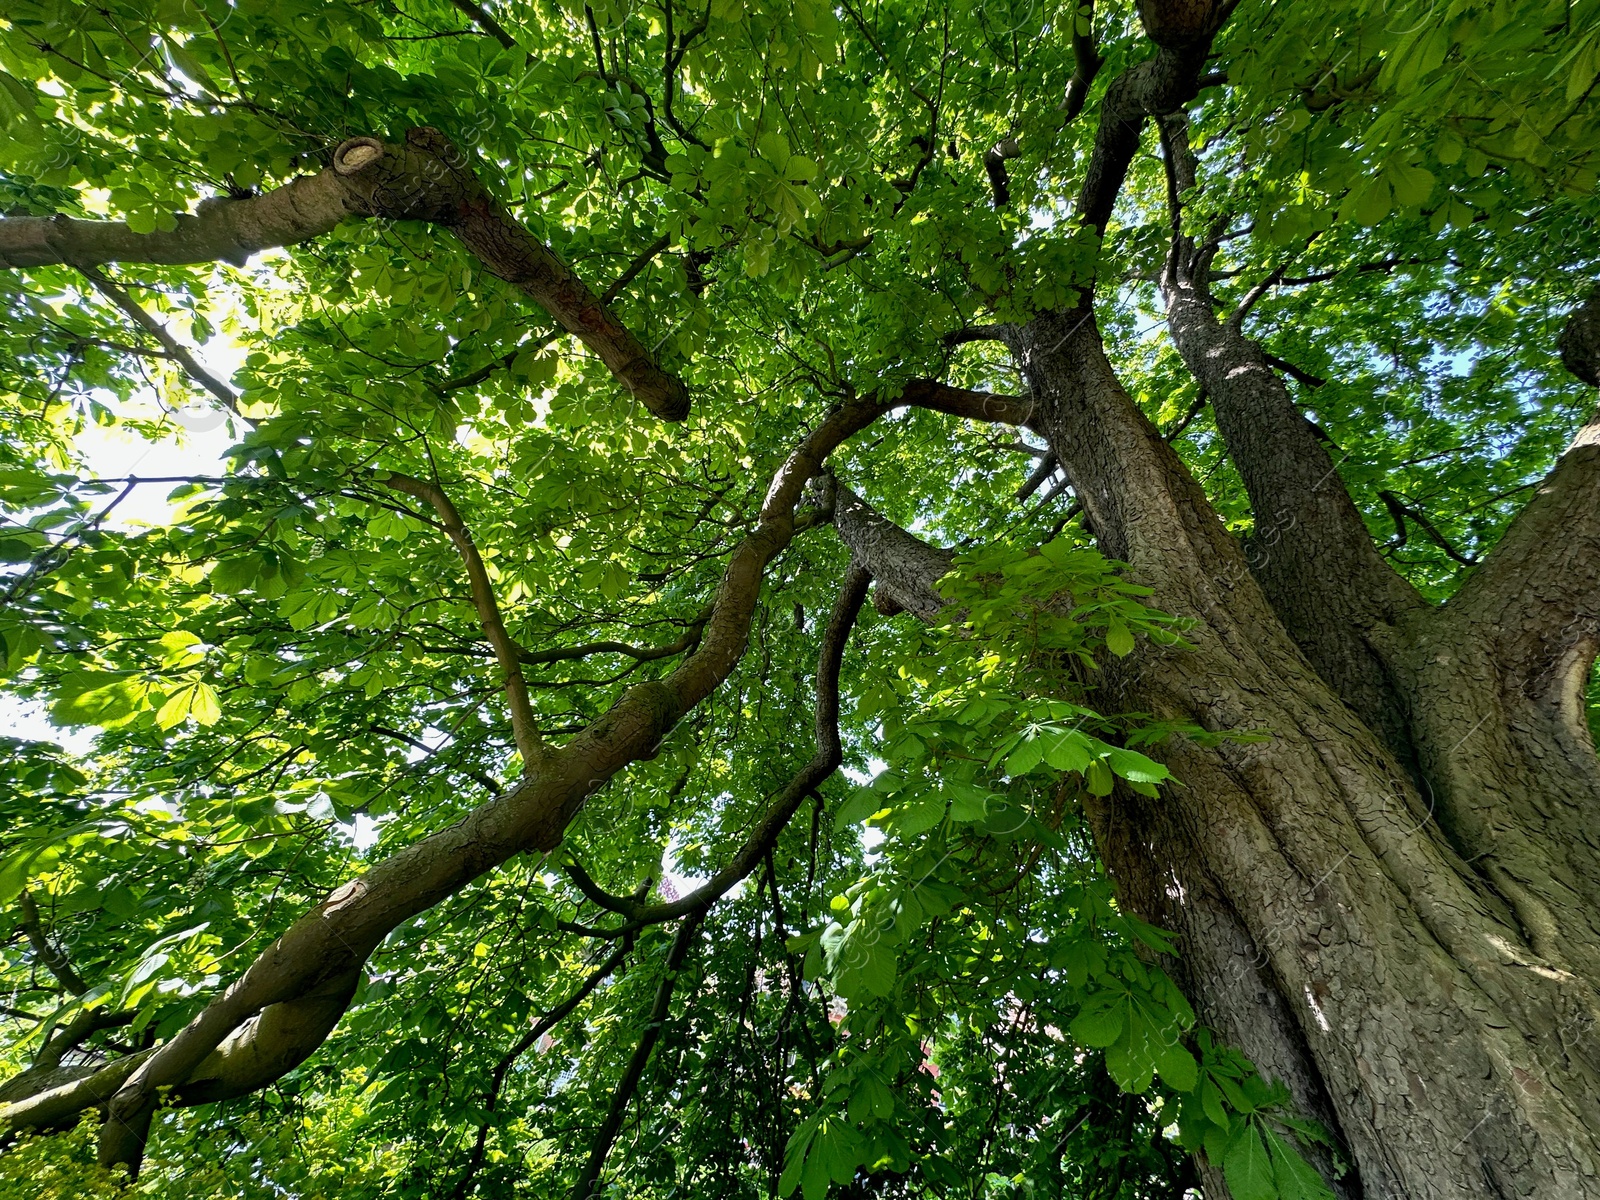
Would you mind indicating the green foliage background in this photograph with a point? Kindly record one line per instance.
(949, 1005)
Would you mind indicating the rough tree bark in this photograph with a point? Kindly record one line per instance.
(1396, 919)
(1328, 924)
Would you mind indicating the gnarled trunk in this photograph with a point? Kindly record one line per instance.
(1328, 924)
(1395, 953)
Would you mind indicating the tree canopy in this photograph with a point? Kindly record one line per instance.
(534, 757)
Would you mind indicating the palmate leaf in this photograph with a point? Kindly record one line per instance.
(278, 677)
(1101, 1024)
(1296, 1178)
(1246, 1166)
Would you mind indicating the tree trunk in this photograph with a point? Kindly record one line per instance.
(1328, 925)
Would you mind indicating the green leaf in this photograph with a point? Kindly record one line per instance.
(774, 147)
(1211, 1101)
(197, 700)
(1028, 755)
(967, 803)
(916, 815)
(815, 1177)
(1068, 750)
(860, 805)
(1247, 1168)
(1177, 1066)
(1098, 779)
(1296, 1178)
(1132, 765)
(1372, 202)
(1412, 185)
(878, 969)
(1119, 640)
(1099, 1026)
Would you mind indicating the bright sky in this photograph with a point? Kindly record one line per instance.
(193, 445)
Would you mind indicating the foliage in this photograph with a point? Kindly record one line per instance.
(278, 677)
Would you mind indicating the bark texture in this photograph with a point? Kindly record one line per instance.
(1390, 903)
(1328, 925)
(1395, 919)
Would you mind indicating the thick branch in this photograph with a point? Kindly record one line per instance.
(1310, 548)
(425, 178)
(905, 567)
(1182, 31)
(1537, 594)
(994, 164)
(1580, 340)
(1047, 467)
(46, 1073)
(975, 406)
(1086, 60)
(526, 732)
(321, 948)
(973, 333)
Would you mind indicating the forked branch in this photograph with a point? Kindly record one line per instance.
(424, 178)
(282, 1007)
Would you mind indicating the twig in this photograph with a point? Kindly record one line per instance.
(175, 349)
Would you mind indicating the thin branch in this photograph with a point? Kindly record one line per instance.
(1048, 465)
(526, 1042)
(632, 270)
(524, 729)
(52, 557)
(1298, 374)
(50, 958)
(829, 754)
(493, 786)
(974, 333)
(1253, 296)
(71, 1035)
(1383, 266)
(690, 638)
(1195, 409)
(175, 349)
(1399, 511)
(480, 17)
(589, 1178)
